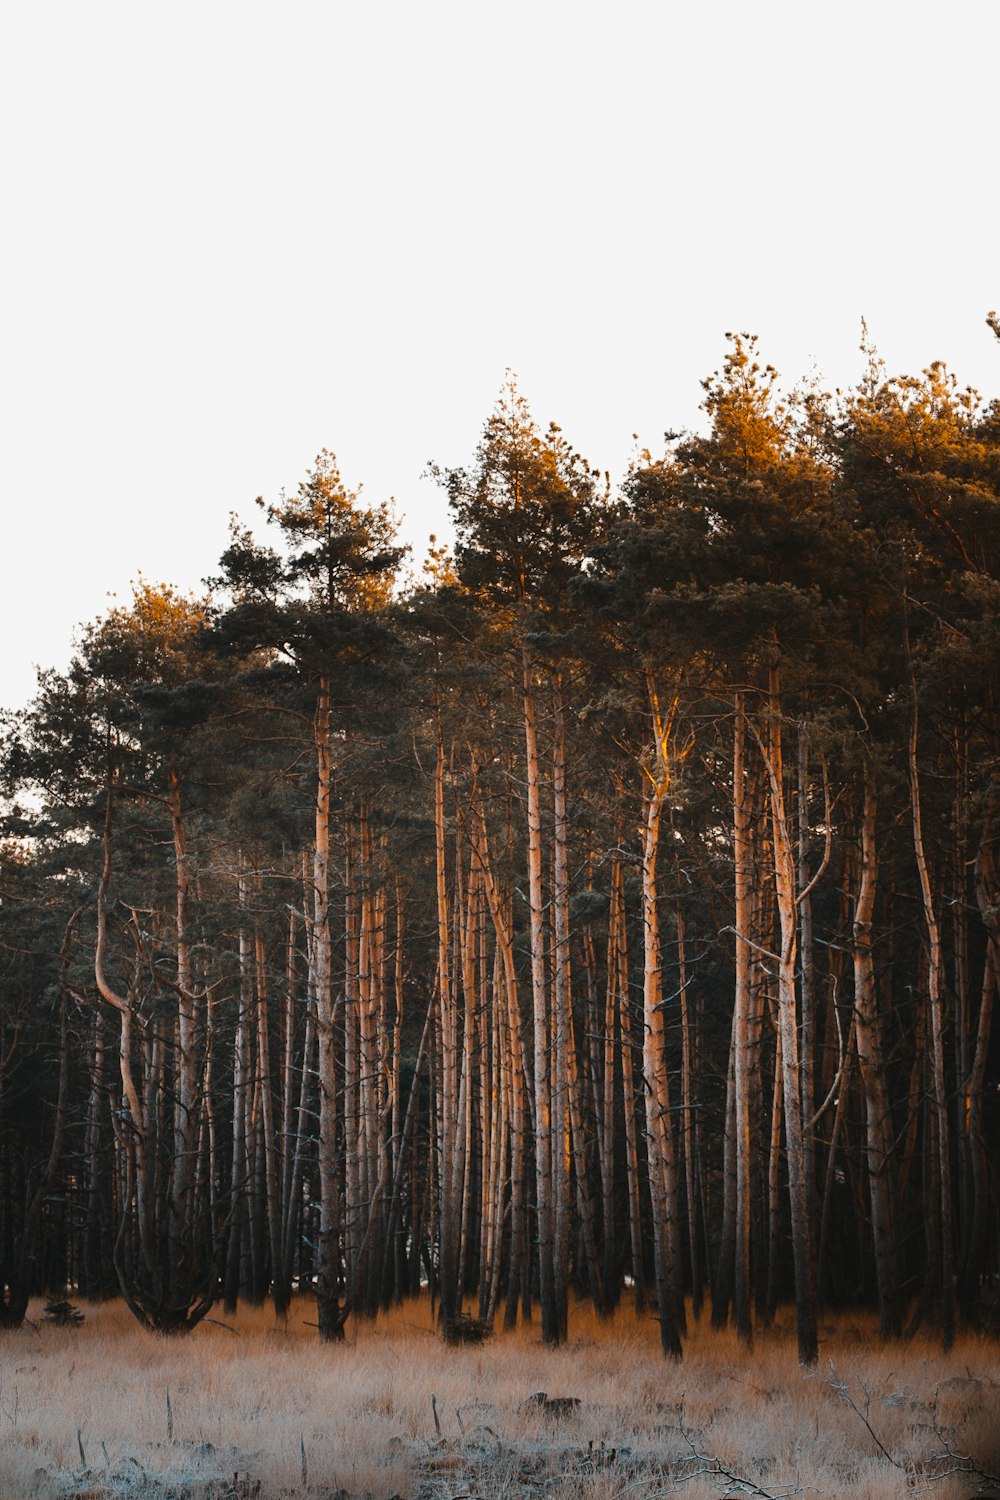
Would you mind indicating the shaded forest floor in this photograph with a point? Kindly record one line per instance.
(256, 1412)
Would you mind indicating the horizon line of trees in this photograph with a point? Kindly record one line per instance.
(614, 911)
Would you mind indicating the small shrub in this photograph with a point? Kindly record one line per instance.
(465, 1329)
(62, 1314)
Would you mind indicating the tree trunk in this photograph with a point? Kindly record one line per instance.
(878, 1119)
(551, 1320)
(743, 1060)
(799, 1189)
(329, 1312)
(659, 1128)
(563, 1063)
(988, 899)
(936, 1011)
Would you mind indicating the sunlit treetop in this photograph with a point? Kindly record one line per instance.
(150, 639)
(345, 553)
(525, 511)
(750, 425)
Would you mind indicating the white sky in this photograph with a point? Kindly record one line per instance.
(236, 234)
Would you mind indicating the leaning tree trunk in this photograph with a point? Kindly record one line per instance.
(137, 1253)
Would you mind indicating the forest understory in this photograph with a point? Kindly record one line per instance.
(247, 1409)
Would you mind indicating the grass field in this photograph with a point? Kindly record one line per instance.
(253, 1411)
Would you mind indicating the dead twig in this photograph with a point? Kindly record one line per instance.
(698, 1465)
(711, 1467)
(945, 1463)
(227, 1326)
(949, 1461)
(841, 1389)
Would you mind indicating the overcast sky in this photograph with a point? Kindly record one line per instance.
(237, 234)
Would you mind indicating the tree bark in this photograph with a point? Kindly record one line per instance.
(878, 1119)
(936, 1011)
(800, 1190)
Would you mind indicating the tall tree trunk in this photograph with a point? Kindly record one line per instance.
(272, 1194)
(988, 899)
(659, 1126)
(94, 1269)
(689, 1112)
(611, 1274)
(239, 1171)
(329, 1311)
(936, 1012)
(15, 1296)
(515, 1070)
(187, 1282)
(448, 1045)
(563, 1063)
(807, 979)
(722, 1282)
(544, 1210)
(632, 1176)
(799, 1189)
(743, 1061)
(774, 1235)
(871, 1060)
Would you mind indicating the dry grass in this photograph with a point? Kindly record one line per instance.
(267, 1412)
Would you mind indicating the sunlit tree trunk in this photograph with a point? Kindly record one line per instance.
(800, 1192)
(552, 1322)
(659, 1127)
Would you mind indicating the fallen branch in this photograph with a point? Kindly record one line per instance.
(946, 1463)
(711, 1467)
(955, 1462)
